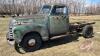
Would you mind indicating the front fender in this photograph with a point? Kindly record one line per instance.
(17, 36)
(20, 31)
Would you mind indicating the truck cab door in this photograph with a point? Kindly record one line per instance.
(59, 20)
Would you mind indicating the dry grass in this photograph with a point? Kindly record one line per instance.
(58, 47)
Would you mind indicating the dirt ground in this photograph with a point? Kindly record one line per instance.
(57, 47)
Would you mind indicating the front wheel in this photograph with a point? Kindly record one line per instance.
(31, 42)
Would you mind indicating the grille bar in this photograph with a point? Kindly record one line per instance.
(10, 32)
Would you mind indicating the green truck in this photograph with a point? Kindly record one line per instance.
(29, 32)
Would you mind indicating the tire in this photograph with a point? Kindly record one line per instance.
(27, 38)
(87, 31)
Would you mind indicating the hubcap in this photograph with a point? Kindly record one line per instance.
(31, 42)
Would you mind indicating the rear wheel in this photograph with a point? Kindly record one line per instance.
(87, 31)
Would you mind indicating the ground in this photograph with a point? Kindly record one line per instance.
(58, 47)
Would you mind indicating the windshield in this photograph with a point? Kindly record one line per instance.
(46, 9)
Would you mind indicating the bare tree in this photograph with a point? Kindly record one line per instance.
(76, 7)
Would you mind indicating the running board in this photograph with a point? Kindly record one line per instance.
(55, 37)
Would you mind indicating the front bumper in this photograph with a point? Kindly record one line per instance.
(10, 37)
(10, 40)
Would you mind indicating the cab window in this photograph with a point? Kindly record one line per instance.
(45, 10)
(59, 10)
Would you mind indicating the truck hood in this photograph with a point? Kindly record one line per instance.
(35, 19)
(36, 16)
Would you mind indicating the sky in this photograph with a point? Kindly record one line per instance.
(93, 1)
(88, 2)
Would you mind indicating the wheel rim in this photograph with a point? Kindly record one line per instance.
(32, 42)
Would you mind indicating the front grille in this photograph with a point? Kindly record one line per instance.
(10, 32)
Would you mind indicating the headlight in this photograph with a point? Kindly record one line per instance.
(14, 22)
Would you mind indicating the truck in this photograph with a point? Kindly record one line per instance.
(29, 32)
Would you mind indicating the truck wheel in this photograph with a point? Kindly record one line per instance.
(87, 31)
(31, 42)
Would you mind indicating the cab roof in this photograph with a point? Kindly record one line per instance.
(56, 4)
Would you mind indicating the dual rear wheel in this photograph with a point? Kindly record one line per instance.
(87, 31)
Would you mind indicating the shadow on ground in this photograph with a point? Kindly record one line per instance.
(59, 41)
